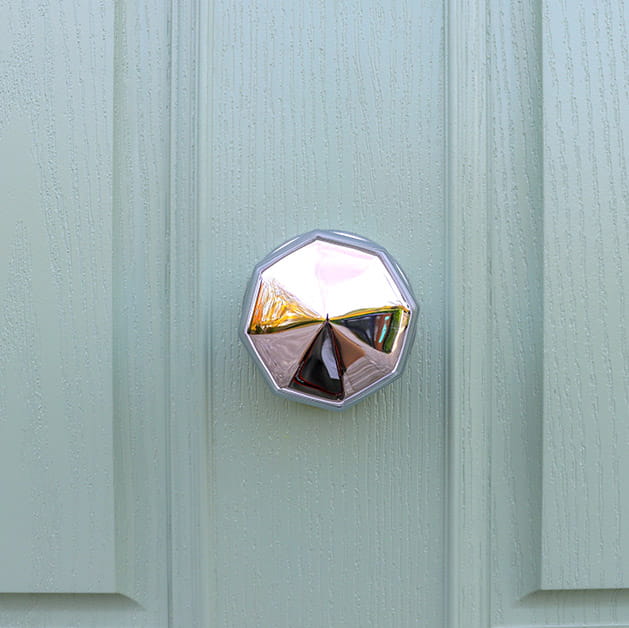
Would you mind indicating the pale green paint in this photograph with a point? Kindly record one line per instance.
(327, 115)
(56, 397)
(279, 118)
(510, 565)
(586, 288)
(94, 88)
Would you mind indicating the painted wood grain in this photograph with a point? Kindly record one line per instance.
(327, 115)
(499, 447)
(90, 139)
(586, 287)
(516, 315)
(56, 396)
(469, 333)
(313, 115)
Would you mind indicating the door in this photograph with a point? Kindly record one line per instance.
(153, 153)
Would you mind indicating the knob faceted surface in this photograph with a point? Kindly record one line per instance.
(329, 317)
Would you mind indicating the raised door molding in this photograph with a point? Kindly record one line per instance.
(585, 512)
(536, 101)
(538, 352)
(102, 342)
(56, 393)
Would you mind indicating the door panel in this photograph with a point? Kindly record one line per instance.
(586, 286)
(537, 459)
(84, 447)
(152, 154)
(56, 368)
(327, 115)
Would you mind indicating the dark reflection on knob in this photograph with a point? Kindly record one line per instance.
(329, 318)
(321, 369)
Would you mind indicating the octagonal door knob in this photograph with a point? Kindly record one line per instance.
(329, 318)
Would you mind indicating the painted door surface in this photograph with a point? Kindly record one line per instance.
(152, 153)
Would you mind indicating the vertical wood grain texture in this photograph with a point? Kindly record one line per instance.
(95, 82)
(586, 287)
(515, 191)
(140, 189)
(510, 459)
(469, 336)
(56, 402)
(327, 115)
(188, 481)
(310, 116)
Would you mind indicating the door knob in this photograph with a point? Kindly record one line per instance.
(329, 318)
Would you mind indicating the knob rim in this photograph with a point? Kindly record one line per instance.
(341, 238)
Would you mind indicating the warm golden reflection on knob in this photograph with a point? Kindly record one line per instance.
(277, 309)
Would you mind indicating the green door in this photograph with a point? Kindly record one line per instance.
(152, 153)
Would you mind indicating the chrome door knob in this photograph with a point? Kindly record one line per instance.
(329, 317)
